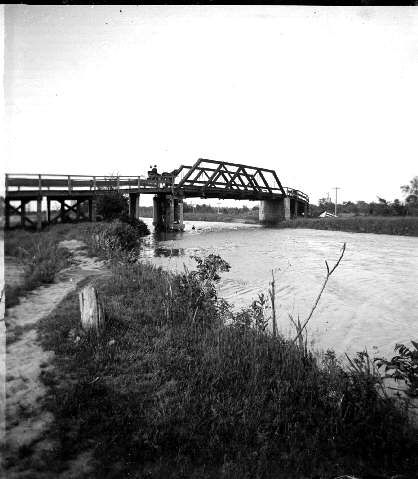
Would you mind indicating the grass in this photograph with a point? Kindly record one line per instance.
(180, 386)
(398, 225)
(41, 256)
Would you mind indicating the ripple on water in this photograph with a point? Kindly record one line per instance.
(371, 300)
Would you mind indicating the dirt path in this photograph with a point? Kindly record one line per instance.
(27, 421)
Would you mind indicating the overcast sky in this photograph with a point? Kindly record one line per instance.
(326, 96)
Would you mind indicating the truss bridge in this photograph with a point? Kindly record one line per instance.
(77, 195)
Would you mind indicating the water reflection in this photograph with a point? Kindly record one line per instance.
(168, 252)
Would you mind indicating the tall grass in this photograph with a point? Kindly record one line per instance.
(402, 225)
(41, 256)
(179, 385)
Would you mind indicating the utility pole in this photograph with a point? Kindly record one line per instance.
(336, 188)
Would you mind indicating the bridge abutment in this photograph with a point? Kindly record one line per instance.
(168, 213)
(274, 211)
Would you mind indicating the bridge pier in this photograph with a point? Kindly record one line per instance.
(273, 211)
(168, 213)
(134, 205)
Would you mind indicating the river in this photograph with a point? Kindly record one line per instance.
(371, 300)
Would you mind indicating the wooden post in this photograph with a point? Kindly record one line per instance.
(137, 206)
(7, 213)
(69, 184)
(48, 208)
(91, 311)
(93, 210)
(132, 205)
(22, 212)
(63, 214)
(39, 213)
(78, 210)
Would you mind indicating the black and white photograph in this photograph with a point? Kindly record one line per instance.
(209, 242)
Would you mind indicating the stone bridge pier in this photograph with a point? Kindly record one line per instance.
(168, 213)
(274, 211)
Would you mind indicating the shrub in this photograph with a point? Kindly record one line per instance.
(111, 239)
(403, 367)
(140, 227)
(112, 204)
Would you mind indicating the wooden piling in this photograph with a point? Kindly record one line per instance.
(39, 213)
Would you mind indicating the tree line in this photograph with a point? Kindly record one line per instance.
(381, 207)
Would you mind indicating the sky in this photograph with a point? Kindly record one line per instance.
(326, 96)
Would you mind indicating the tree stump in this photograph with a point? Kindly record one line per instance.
(92, 318)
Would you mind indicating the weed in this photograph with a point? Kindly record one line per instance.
(177, 378)
(403, 367)
(41, 256)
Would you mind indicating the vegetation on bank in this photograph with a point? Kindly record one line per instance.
(179, 385)
(405, 225)
(39, 254)
(42, 257)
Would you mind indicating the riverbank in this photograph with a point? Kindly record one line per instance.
(29, 422)
(392, 225)
(396, 225)
(178, 385)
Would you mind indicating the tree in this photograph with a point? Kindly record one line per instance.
(411, 191)
(411, 200)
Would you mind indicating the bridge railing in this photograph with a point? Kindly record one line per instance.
(204, 175)
(31, 182)
(297, 194)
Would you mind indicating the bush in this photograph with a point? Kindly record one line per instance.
(115, 238)
(140, 227)
(112, 204)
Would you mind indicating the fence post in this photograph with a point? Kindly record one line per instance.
(91, 310)
(40, 183)
(69, 184)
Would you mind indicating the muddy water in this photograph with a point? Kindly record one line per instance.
(371, 300)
